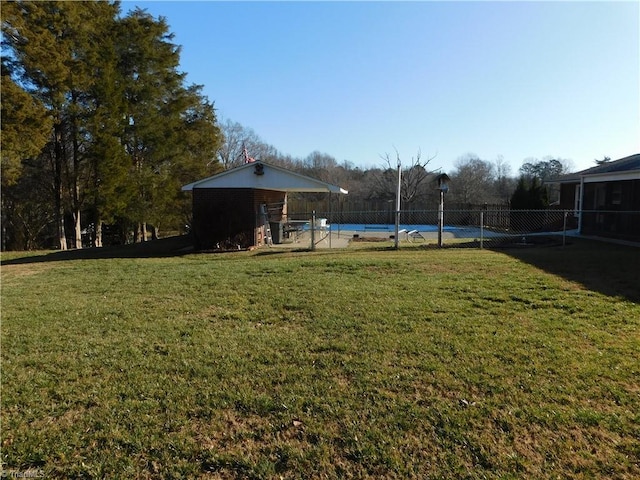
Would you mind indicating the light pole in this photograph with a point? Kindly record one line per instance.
(443, 186)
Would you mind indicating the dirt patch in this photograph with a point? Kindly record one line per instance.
(357, 238)
(526, 242)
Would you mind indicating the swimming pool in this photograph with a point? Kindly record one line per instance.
(360, 227)
(381, 227)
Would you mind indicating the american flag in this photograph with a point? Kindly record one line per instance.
(247, 158)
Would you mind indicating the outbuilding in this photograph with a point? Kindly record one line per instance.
(247, 205)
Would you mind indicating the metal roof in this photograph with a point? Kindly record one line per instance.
(262, 176)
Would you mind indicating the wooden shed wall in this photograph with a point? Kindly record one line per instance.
(229, 216)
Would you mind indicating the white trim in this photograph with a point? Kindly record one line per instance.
(581, 205)
(577, 198)
(270, 178)
(611, 177)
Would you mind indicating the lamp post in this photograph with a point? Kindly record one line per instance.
(443, 186)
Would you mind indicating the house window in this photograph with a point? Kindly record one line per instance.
(616, 194)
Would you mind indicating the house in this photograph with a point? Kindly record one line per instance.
(605, 198)
(247, 206)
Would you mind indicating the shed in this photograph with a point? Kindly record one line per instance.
(605, 198)
(240, 206)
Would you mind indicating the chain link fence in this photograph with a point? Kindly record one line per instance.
(485, 228)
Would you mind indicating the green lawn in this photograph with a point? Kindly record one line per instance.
(359, 363)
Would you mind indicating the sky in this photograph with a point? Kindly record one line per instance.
(359, 80)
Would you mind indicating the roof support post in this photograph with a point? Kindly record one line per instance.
(580, 204)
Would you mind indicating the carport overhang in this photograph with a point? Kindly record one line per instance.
(262, 176)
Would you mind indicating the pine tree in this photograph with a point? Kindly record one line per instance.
(197, 139)
(123, 130)
(55, 46)
(168, 125)
(30, 30)
(148, 63)
(520, 197)
(109, 188)
(538, 195)
(25, 127)
(529, 195)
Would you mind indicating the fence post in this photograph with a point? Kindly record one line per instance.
(313, 230)
(564, 229)
(440, 218)
(481, 229)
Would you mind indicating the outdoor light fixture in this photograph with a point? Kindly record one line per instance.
(443, 185)
(443, 182)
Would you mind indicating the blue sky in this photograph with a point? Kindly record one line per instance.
(357, 80)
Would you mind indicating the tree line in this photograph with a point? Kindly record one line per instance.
(474, 181)
(100, 130)
(98, 125)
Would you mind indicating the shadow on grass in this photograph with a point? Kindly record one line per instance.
(607, 268)
(603, 267)
(282, 251)
(165, 247)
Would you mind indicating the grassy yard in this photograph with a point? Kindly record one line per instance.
(360, 363)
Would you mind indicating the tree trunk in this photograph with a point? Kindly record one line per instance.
(78, 228)
(62, 237)
(76, 174)
(57, 183)
(140, 233)
(154, 232)
(97, 239)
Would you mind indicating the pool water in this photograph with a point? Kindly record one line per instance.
(361, 227)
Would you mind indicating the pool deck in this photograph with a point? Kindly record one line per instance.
(342, 238)
(335, 238)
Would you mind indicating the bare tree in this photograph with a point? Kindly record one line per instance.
(414, 177)
(472, 181)
(236, 139)
(320, 165)
(504, 183)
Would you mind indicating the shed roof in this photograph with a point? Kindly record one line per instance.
(262, 176)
